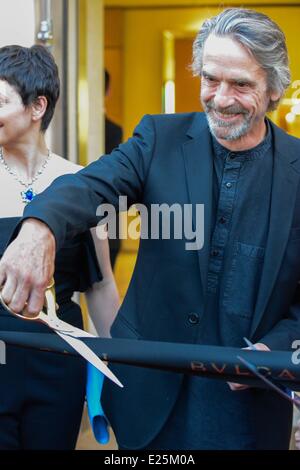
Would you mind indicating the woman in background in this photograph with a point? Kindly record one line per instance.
(42, 393)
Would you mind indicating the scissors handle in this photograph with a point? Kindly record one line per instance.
(50, 300)
(50, 305)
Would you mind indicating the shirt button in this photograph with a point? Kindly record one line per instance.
(214, 252)
(222, 220)
(228, 185)
(193, 318)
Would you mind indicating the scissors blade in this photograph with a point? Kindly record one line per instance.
(274, 387)
(287, 391)
(65, 328)
(89, 356)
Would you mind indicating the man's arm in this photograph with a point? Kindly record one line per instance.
(67, 207)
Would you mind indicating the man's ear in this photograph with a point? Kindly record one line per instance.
(39, 107)
(275, 96)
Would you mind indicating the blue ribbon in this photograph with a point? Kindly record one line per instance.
(98, 420)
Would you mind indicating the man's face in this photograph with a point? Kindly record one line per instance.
(234, 91)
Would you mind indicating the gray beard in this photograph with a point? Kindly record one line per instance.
(235, 133)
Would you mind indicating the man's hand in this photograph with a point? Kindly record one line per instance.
(297, 435)
(237, 387)
(27, 267)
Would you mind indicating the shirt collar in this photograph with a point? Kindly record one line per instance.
(249, 154)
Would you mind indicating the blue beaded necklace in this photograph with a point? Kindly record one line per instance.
(28, 194)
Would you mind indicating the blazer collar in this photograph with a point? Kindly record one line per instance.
(198, 125)
(198, 161)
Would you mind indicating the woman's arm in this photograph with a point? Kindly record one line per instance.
(103, 298)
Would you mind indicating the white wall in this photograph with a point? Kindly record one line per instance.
(17, 22)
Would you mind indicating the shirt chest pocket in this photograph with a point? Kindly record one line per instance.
(242, 281)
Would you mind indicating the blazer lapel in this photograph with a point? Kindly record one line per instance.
(199, 175)
(285, 182)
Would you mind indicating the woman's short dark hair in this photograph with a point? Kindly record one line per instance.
(33, 72)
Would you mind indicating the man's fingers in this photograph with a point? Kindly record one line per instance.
(2, 276)
(9, 289)
(36, 300)
(297, 435)
(20, 297)
(297, 440)
(237, 387)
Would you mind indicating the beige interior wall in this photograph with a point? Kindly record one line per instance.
(17, 22)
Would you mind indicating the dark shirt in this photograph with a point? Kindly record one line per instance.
(241, 207)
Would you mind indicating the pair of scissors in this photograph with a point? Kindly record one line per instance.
(285, 392)
(67, 332)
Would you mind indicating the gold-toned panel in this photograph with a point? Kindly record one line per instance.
(187, 88)
(113, 27)
(113, 102)
(113, 62)
(188, 3)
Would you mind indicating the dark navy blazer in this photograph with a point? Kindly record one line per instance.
(169, 160)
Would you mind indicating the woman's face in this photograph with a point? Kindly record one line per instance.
(15, 118)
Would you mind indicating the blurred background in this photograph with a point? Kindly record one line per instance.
(145, 46)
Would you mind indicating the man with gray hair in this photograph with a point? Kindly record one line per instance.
(244, 280)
